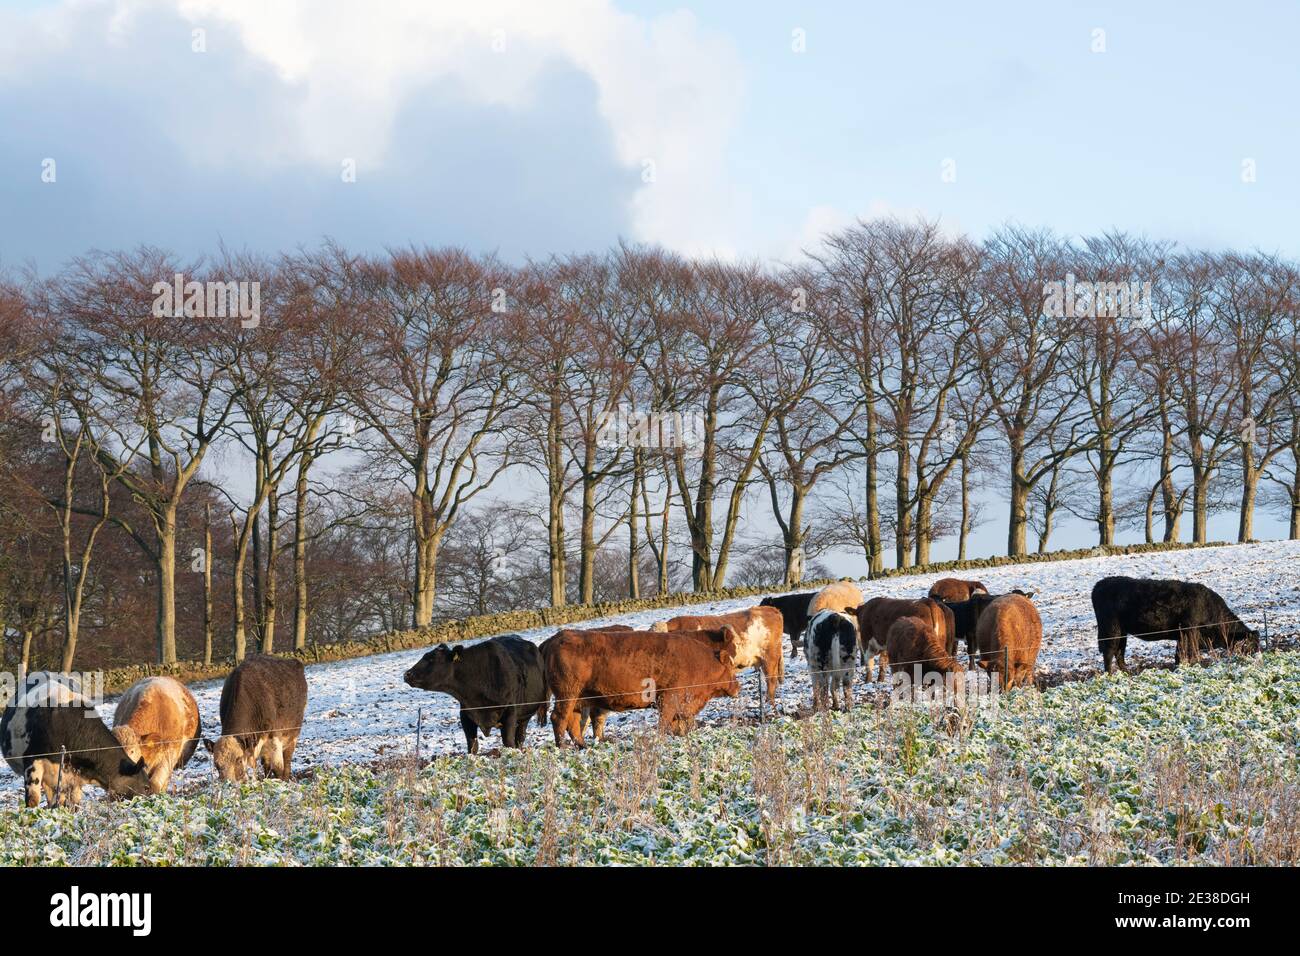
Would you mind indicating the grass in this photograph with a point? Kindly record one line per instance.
(1192, 766)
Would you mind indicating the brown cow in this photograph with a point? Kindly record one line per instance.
(1007, 636)
(758, 642)
(914, 642)
(955, 589)
(633, 670)
(877, 615)
(157, 720)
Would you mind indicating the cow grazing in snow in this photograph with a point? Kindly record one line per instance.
(916, 648)
(1161, 610)
(1007, 638)
(675, 673)
(157, 721)
(758, 641)
(955, 589)
(794, 615)
(262, 706)
(498, 683)
(876, 616)
(831, 645)
(50, 722)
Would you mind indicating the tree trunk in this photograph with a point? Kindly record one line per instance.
(238, 632)
(259, 579)
(1249, 491)
(207, 584)
(166, 566)
(555, 514)
(1105, 493)
(794, 556)
(587, 546)
(633, 548)
(924, 524)
(268, 594)
(300, 608)
(963, 534)
(25, 655)
(875, 548)
(902, 511)
(1018, 519)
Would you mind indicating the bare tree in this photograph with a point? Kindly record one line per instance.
(432, 391)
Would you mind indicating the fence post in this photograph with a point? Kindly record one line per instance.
(58, 783)
(419, 725)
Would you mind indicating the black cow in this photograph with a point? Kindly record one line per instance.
(1157, 610)
(263, 703)
(794, 614)
(498, 683)
(48, 716)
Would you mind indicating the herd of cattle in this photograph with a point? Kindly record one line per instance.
(53, 738)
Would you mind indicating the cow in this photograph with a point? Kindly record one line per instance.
(916, 648)
(54, 739)
(1007, 636)
(498, 683)
(1162, 610)
(876, 616)
(794, 615)
(262, 706)
(157, 721)
(955, 589)
(593, 715)
(966, 615)
(673, 673)
(758, 643)
(831, 646)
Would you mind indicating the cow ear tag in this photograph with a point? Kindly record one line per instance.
(455, 656)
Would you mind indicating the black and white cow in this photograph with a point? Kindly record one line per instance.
(498, 683)
(50, 720)
(831, 645)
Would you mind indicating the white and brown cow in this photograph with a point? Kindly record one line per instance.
(157, 721)
(758, 643)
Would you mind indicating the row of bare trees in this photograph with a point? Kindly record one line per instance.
(428, 432)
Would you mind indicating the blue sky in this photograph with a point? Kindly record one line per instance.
(527, 127)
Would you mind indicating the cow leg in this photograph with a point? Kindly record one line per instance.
(882, 666)
(508, 724)
(471, 732)
(33, 786)
(598, 718)
(794, 646)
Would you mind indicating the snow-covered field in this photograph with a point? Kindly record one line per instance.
(359, 710)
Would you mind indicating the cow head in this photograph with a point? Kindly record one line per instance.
(659, 627)
(1243, 640)
(130, 741)
(230, 758)
(131, 779)
(436, 669)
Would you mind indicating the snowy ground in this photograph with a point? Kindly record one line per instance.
(360, 711)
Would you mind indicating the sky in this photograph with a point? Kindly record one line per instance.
(729, 128)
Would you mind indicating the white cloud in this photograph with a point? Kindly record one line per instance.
(668, 90)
